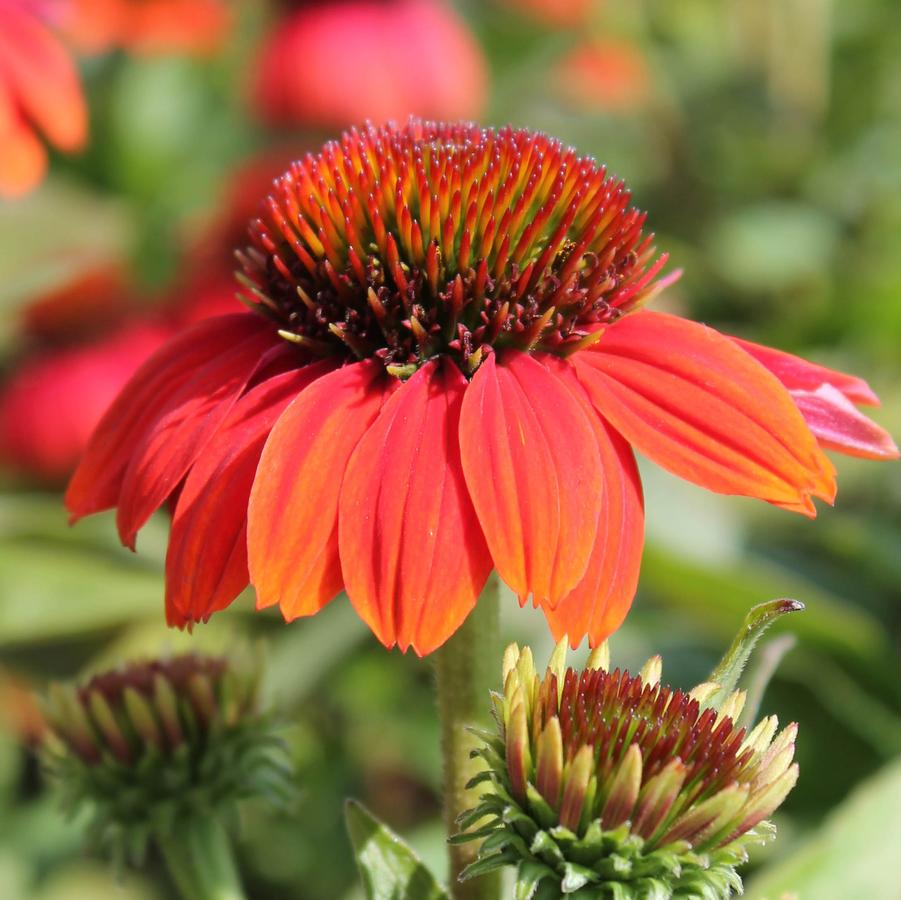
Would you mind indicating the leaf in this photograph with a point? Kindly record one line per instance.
(57, 582)
(718, 595)
(389, 868)
(855, 853)
(730, 667)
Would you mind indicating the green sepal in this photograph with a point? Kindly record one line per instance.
(529, 877)
(389, 868)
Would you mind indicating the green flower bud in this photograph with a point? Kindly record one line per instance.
(153, 744)
(609, 785)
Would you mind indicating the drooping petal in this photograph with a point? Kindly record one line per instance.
(800, 374)
(704, 409)
(598, 604)
(97, 481)
(533, 470)
(189, 417)
(839, 425)
(826, 399)
(206, 566)
(292, 531)
(412, 552)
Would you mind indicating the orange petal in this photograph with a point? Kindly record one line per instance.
(800, 374)
(533, 470)
(839, 425)
(23, 159)
(412, 552)
(42, 78)
(292, 531)
(189, 417)
(97, 481)
(206, 566)
(695, 403)
(598, 605)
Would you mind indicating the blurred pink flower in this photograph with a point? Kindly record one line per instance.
(610, 76)
(39, 92)
(336, 63)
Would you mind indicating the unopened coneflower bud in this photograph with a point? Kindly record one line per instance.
(153, 745)
(609, 785)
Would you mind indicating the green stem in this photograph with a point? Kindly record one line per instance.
(199, 857)
(467, 668)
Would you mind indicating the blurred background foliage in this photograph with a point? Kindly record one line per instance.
(765, 140)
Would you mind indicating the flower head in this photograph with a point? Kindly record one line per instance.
(152, 744)
(39, 92)
(446, 363)
(335, 63)
(612, 785)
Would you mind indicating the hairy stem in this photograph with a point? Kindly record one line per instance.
(467, 668)
(199, 858)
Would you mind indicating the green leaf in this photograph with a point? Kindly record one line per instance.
(758, 619)
(389, 868)
(718, 595)
(855, 854)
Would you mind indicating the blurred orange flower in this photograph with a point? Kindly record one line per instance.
(560, 13)
(338, 63)
(39, 92)
(148, 26)
(605, 75)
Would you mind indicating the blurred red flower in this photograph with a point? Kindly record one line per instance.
(611, 76)
(449, 372)
(337, 63)
(148, 26)
(52, 402)
(39, 92)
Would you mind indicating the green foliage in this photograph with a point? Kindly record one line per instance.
(389, 868)
(854, 854)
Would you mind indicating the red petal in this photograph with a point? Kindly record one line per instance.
(532, 467)
(799, 374)
(694, 402)
(97, 482)
(838, 425)
(206, 566)
(413, 555)
(190, 416)
(599, 603)
(292, 534)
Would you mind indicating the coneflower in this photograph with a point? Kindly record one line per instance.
(444, 372)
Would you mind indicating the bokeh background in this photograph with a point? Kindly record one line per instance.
(763, 137)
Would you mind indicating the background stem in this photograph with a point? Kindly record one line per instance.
(200, 861)
(467, 667)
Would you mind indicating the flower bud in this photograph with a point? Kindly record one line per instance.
(605, 784)
(153, 744)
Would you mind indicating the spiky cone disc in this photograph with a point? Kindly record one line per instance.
(153, 744)
(607, 786)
